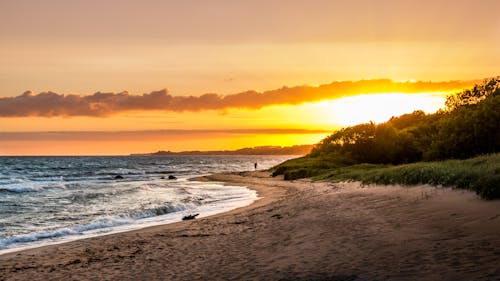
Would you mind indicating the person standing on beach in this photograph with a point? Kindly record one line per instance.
(255, 165)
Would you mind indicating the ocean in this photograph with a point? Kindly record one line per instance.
(46, 200)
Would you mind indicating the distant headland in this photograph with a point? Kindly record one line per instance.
(258, 150)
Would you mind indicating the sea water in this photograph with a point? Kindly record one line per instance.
(46, 200)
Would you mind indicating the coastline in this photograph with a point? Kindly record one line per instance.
(115, 224)
(298, 230)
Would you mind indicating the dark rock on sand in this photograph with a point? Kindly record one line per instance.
(189, 217)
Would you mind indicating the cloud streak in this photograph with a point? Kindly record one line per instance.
(50, 104)
(142, 135)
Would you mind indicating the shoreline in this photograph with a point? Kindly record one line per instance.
(297, 230)
(129, 227)
(263, 197)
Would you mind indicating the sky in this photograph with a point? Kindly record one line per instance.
(182, 75)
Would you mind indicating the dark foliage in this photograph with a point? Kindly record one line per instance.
(475, 95)
(470, 126)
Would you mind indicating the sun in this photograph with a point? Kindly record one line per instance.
(379, 108)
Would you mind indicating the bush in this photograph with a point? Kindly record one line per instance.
(488, 187)
(480, 174)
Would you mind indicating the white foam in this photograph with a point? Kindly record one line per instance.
(121, 171)
(19, 188)
(233, 197)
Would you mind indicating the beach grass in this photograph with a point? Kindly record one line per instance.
(480, 174)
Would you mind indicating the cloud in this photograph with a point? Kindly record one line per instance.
(50, 104)
(142, 135)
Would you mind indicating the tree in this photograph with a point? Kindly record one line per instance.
(473, 96)
(470, 127)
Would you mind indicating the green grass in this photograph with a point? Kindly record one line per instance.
(480, 174)
(305, 167)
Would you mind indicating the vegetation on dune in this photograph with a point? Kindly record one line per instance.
(305, 167)
(481, 174)
(469, 127)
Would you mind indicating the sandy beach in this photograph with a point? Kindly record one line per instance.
(298, 230)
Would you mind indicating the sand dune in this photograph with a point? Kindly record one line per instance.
(299, 230)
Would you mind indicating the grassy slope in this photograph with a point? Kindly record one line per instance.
(481, 174)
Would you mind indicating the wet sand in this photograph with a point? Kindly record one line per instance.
(299, 230)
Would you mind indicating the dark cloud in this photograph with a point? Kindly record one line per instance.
(50, 104)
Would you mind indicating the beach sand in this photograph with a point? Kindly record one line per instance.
(299, 230)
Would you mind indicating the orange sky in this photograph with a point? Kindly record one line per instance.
(244, 52)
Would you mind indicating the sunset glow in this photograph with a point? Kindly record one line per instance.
(98, 67)
(211, 130)
(379, 108)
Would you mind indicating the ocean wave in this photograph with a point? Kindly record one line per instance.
(21, 189)
(8, 242)
(120, 171)
(166, 172)
(66, 198)
(79, 178)
(47, 178)
(101, 224)
(8, 181)
(105, 224)
(27, 186)
(32, 237)
(85, 198)
(159, 211)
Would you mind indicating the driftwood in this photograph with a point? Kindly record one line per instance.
(189, 217)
